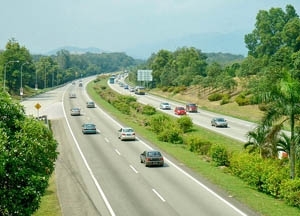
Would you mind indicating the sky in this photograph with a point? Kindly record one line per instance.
(120, 25)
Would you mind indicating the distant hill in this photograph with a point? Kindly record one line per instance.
(76, 50)
(232, 43)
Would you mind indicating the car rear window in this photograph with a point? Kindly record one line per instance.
(153, 154)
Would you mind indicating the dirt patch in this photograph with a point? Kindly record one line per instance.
(194, 95)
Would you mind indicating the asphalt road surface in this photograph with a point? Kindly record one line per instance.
(98, 174)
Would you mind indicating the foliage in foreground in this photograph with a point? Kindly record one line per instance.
(27, 157)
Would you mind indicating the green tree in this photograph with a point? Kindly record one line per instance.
(267, 37)
(258, 141)
(27, 157)
(14, 52)
(283, 106)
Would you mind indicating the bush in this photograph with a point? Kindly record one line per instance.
(158, 122)
(265, 175)
(148, 110)
(219, 155)
(242, 100)
(196, 144)
(290, 192)
(171, 133)
(225, 99)
(215, 97)
(185, 123)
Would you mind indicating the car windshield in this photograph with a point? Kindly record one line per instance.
(180, 108)
(220, 119)
(90, 126)
(165, 103)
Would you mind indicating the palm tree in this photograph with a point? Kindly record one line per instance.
(284, 108)
(263, 138)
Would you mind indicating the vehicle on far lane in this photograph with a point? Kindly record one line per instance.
(75, 111)
(165, 106)
(89, 128)
(179, 111)
(152, 158)
(219, 122)
(72, 95)
(90, 104)
(191, 107)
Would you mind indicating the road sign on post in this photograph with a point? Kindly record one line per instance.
(37, 106)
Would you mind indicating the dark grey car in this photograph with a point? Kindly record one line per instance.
(152, 158)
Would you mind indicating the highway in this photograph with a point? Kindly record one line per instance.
(237, 128)
(98, 174)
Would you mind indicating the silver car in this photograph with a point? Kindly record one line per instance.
(165, 106)
(219, 122)
(126, 133)
(75, 111)
(90, 104)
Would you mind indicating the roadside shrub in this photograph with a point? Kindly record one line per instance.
(185, 123)
(263, 107)
(265, 175)
(215, 97)
(242, 100)
(219, 155)
(122, 107)
(170, 133)
(158, 122)
(290, 192)
(148, 110)
(246, 166)
(196, 144)
(164, 88)
(171, 89)
(225, 99)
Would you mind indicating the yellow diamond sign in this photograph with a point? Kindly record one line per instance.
(38, 106)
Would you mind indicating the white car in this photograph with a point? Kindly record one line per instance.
(165, 106)
(75, 111)
(126, 133)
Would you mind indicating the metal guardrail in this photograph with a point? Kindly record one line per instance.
(43, 118)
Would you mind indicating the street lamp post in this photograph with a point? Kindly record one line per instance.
(4, 75)
(21, 88)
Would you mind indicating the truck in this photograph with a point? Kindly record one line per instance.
(112, 80)
(140, 90)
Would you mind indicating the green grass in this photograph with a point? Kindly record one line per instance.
(49, 203)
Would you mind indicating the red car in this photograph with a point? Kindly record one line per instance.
(179, 111)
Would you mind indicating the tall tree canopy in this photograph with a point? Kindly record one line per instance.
(27, 157)
(274, 57)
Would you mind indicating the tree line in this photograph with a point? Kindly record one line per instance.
(39, 71)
